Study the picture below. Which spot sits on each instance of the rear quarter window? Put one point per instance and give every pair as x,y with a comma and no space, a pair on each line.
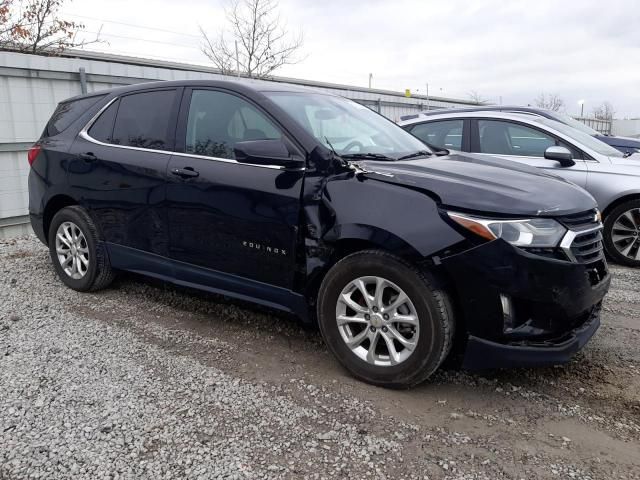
67,112
102,129
143,119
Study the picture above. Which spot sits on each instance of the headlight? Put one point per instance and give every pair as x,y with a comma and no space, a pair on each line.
530,232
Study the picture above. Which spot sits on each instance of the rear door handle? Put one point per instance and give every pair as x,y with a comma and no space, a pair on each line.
88,157
186,172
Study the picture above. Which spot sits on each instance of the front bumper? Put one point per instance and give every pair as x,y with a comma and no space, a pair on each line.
483,354
554,305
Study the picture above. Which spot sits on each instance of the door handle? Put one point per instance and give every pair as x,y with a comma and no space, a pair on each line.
88,157
186,172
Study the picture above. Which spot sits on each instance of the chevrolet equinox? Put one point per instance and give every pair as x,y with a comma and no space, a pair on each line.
312,204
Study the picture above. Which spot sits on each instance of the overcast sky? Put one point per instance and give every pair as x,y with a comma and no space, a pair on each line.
507,50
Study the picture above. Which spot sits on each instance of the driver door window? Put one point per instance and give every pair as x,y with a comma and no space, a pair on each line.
217,121
505,138
526,145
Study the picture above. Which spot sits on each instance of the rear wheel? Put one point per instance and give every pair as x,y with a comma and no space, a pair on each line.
622,234
79,259
387,322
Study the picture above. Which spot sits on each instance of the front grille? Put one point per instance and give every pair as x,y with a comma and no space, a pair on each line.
583,243
587,247
579,221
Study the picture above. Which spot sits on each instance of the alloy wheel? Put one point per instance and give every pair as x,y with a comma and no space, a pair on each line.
72,250
625,234
377,321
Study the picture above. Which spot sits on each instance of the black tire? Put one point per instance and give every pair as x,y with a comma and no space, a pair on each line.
99,273
609,222
432,305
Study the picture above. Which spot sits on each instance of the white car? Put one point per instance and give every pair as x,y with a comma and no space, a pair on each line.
612,177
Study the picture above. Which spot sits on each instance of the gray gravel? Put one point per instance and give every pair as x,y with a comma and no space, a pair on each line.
147,381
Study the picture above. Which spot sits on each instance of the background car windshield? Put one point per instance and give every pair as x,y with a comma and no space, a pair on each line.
583,138
564,118
349,127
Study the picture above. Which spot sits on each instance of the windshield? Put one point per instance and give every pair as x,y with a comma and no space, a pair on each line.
347,127
572,122
583,138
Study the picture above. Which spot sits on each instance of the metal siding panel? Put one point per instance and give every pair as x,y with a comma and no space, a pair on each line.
14,194
31,103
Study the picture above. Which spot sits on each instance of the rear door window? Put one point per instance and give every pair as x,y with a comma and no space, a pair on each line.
445,134
143,120
67,112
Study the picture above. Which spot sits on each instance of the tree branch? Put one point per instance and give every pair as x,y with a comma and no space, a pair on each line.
263,41
33,26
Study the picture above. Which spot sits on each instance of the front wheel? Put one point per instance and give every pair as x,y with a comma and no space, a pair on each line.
622,234
387,322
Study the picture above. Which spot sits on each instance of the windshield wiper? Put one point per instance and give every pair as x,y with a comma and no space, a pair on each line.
626,154
365,156
420,153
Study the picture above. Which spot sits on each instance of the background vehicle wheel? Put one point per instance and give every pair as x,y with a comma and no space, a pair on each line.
79,259
622,234
387,322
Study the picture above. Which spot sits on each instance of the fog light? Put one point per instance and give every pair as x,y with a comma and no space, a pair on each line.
507,312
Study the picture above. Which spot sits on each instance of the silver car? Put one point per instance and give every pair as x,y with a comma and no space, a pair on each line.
612,177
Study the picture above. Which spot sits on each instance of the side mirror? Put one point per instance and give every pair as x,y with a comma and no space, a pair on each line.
266,152
560,154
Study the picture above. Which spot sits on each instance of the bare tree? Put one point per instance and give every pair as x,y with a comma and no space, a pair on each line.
257,42
549,101
605,111
476,97
34,26
9,23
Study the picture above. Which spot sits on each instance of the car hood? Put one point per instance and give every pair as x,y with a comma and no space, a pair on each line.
485,184
631,160
620,141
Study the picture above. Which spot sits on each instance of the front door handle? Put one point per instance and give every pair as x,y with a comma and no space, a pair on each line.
186,172
88,157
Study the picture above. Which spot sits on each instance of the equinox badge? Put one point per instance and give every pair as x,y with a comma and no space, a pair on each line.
264,248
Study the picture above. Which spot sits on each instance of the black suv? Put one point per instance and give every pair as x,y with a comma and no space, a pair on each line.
312,204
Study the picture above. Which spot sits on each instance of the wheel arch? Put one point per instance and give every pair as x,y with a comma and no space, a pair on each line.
343,240
53,206
625,197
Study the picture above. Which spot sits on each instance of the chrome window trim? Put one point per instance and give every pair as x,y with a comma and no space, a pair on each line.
570,236
529,156
84,133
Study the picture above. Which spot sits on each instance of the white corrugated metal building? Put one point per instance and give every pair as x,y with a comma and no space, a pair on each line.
32,85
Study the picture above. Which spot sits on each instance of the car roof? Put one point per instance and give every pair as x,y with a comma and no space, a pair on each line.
485,108
246,85
461,113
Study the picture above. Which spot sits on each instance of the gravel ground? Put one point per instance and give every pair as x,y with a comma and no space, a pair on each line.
145,380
